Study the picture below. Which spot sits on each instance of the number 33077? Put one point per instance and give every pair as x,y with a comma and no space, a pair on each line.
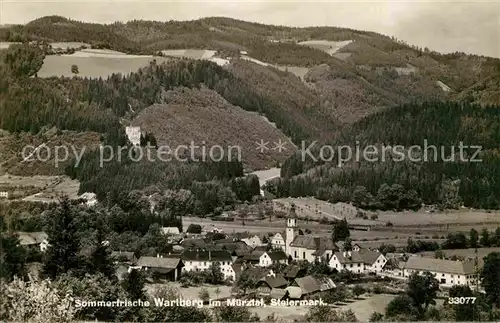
461,300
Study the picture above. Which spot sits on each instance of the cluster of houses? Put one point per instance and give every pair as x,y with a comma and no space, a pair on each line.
251,253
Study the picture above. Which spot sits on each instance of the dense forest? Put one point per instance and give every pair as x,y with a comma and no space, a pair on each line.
388,179
338,101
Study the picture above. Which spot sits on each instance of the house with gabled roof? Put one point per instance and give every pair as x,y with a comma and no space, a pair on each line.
127,257
166,267
278,240
200,259
447,272
359,262
34,240
268,283
309,285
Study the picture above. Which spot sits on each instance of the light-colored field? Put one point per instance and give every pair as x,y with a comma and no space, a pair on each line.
330,47
265,175
365,307
481,252
253,60
36,181
62,186
6,44
94,65
438,219
190,53
441,221
298,71
342,56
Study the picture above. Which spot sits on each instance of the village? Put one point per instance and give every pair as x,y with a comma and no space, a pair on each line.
284,268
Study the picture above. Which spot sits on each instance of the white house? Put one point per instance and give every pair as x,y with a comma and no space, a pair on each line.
4,195
134,135
34,240
447,272
273,257
199,260
359,262
253,242
278,242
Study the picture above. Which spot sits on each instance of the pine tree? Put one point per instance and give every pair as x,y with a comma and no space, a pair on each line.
13,257
134,285
101,257
62,254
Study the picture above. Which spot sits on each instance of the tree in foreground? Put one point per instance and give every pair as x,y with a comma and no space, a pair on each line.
35,302
62,254
320,313
13,257
133,284
101,256
463,312
490,278
422,290
234,314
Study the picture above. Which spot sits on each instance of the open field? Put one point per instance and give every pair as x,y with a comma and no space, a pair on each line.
265,175
47,188
95,64
363,308
315,209
330,47
464,253
189,53
64,186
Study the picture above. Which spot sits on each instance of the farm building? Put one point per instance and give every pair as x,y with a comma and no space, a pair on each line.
166,268
4,195
124,257
293,271
447,272
34,240
253,242
267,284
362,261
309,286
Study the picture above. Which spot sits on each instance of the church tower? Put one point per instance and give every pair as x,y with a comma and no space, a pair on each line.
291,226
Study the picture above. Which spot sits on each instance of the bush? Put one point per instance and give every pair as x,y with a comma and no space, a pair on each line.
194,228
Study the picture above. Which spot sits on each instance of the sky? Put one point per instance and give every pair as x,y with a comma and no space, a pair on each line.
445,26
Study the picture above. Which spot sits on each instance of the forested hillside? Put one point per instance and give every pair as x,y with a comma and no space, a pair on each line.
392,179
309,90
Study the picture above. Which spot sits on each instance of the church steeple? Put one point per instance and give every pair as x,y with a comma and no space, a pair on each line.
291,225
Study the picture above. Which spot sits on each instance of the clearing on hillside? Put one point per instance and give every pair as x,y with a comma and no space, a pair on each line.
330,47
95,63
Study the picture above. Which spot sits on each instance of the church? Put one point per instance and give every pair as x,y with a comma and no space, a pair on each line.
303,247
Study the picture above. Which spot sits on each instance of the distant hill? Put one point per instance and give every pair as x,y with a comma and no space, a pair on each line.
314,84
203,118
